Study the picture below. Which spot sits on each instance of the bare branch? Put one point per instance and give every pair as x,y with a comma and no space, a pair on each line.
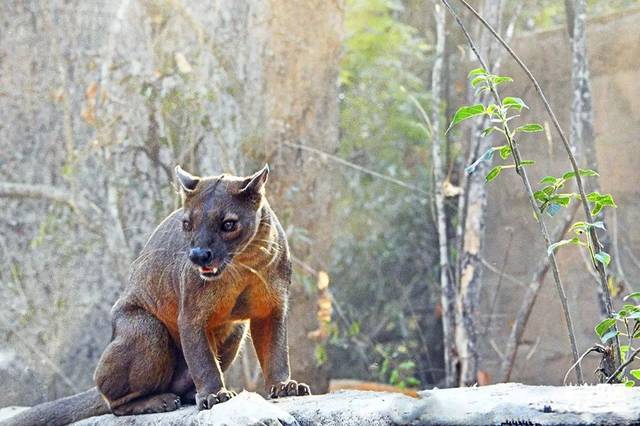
326,155
35,191
529,299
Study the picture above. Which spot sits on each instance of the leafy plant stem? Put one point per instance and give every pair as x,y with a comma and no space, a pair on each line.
623,365
600,267
629,332
527,185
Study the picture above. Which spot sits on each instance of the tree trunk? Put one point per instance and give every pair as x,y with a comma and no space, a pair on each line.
582,134
473,216
447,287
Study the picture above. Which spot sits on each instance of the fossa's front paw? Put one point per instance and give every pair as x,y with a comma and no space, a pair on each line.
207,401
289,388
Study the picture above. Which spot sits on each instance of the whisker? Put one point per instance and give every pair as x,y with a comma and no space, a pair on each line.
253,271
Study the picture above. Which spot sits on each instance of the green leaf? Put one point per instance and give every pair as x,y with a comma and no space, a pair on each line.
635,295
635,373
561,243
597,209
585,226
541,196
583,172
487,131
623,351
603,257
549,180
499,80
600,201
493,173
527,162
607,200
466,112
515,103
562,199
530,128
479,79
594,196
604,326
604,199
491,109
505,152
476,71
629,383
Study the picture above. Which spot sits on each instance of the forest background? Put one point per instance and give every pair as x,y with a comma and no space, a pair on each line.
100,99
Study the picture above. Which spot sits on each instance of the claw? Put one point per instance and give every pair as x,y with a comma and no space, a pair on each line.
303,389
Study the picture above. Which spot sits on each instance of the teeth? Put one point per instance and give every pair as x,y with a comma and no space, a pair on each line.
214,270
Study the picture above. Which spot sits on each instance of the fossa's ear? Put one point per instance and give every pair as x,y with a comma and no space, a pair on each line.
254,184
187,181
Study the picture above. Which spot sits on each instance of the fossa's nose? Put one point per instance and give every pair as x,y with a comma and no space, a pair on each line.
200,256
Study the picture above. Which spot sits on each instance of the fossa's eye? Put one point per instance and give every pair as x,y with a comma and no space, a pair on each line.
186,225
229,225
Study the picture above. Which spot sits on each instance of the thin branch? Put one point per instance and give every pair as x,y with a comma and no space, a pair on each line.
326,155
36,191
497,349
496,293
615,248
499,272
574,165
528,301
527,185
594,348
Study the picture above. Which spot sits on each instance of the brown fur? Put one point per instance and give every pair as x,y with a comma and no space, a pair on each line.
174,332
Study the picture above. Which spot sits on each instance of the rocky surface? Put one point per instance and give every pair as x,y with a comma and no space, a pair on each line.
497,404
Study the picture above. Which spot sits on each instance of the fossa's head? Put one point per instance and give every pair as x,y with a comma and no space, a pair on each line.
220,216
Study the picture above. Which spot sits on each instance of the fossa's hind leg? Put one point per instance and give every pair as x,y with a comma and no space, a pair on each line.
135,371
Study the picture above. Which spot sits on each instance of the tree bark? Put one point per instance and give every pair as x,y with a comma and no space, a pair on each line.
473,210
447,288
582,134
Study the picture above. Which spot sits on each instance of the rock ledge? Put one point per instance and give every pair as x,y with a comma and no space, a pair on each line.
509,403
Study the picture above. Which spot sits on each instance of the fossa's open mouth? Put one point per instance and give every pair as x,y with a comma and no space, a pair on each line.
210,273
